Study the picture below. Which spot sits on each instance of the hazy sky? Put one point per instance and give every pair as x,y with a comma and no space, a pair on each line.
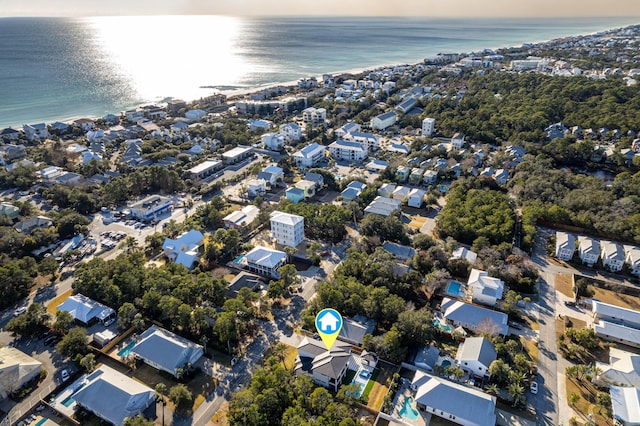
464,8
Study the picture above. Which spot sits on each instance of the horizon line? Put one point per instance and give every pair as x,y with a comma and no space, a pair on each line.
475,17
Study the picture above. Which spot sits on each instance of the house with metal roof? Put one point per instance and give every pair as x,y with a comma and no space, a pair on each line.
240,218
382,121
615,314
310,155
452,401
112,396
166,351
475,355
474,317
589,250
266,261
565,245
287,229
612,255
486,290
625,403
348,150
399,251
354,329
623,369
632,259
326,367
86,311
426,358
295,195
464,253
16,369
184,250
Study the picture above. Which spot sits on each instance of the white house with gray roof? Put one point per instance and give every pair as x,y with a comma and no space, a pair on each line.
348,150
166,351
633,260
474,317
475,355
454,402
612,255
589,250
112,396
486,290
310,155
326,367
266,261
565,245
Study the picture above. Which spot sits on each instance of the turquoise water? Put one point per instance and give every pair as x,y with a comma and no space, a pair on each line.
126,350
446,363
68,401
442,327
238,259
41,421
407,411
361,379
454,288
85,69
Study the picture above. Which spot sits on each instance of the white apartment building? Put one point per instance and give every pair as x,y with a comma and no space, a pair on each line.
428,126
291,131
382,121
348,151
371,141
314,115
309,156
287,229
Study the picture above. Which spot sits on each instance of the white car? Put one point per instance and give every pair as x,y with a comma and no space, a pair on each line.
64,375
534,387
21,310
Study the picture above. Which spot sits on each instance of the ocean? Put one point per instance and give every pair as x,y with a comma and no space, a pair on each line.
62,68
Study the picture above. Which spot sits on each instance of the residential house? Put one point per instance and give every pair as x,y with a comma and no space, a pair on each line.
386,190
326,367
401,193
37,131
430,177
589,250
486,290
186,249
295,195
352,191
38,222
243,280
256,187
16,369
623,369
113,396
443,398
406,105
266,261
85,124
382,206
308,186
241,218
457,141
428,126
464,253
377,166
633,260
316,178
237,154
272,141
9,211
204,169
347,128
85,310
616,324
9,134
402,173
287,229
475,355
416,197
309,156
151,207
501,176
612,255
427,358
166,351
624,403
134,115
565,245
276,172
11,152
195,114
259,125
383,121
399,251
348,151
291,132
415,176
399,148
354,329
474,317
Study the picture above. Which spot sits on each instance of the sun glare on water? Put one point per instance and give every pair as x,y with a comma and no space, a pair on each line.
172,56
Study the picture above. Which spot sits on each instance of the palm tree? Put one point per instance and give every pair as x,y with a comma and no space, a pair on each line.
493,389
516,391
499,371
574,398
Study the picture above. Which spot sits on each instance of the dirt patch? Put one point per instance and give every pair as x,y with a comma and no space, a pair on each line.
586,404
52,307
564,284
616,298
380,387
221,272
531,347
220,417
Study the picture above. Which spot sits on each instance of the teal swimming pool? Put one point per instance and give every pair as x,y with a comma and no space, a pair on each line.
441,327
126,351
238,259
454,288
68,401
407,411
42,421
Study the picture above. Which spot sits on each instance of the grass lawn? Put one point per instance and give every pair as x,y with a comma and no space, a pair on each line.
290,355
564,284
584,405
370,383
52,307
220,417
531,348
618,299
531,322
379,388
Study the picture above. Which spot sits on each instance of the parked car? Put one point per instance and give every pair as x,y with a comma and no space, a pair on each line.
21,310
64,375
515,325
569,303
534,387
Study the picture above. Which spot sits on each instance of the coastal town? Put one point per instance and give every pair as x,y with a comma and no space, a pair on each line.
474,218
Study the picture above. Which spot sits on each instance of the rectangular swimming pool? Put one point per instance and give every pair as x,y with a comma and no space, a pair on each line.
126,351
454,288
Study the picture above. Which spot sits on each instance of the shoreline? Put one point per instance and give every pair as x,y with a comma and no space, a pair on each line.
356,71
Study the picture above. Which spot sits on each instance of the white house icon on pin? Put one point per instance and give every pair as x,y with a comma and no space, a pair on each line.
329,322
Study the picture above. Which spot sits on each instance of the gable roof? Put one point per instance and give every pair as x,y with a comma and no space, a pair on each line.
611,251
427,357
113,396
328,363
488,285
353,331
166,350
16,368
398,250
623,368
626,404
286,218
565,240
84,309
473,315
477,349
464,253
478,407
265,257
622,315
